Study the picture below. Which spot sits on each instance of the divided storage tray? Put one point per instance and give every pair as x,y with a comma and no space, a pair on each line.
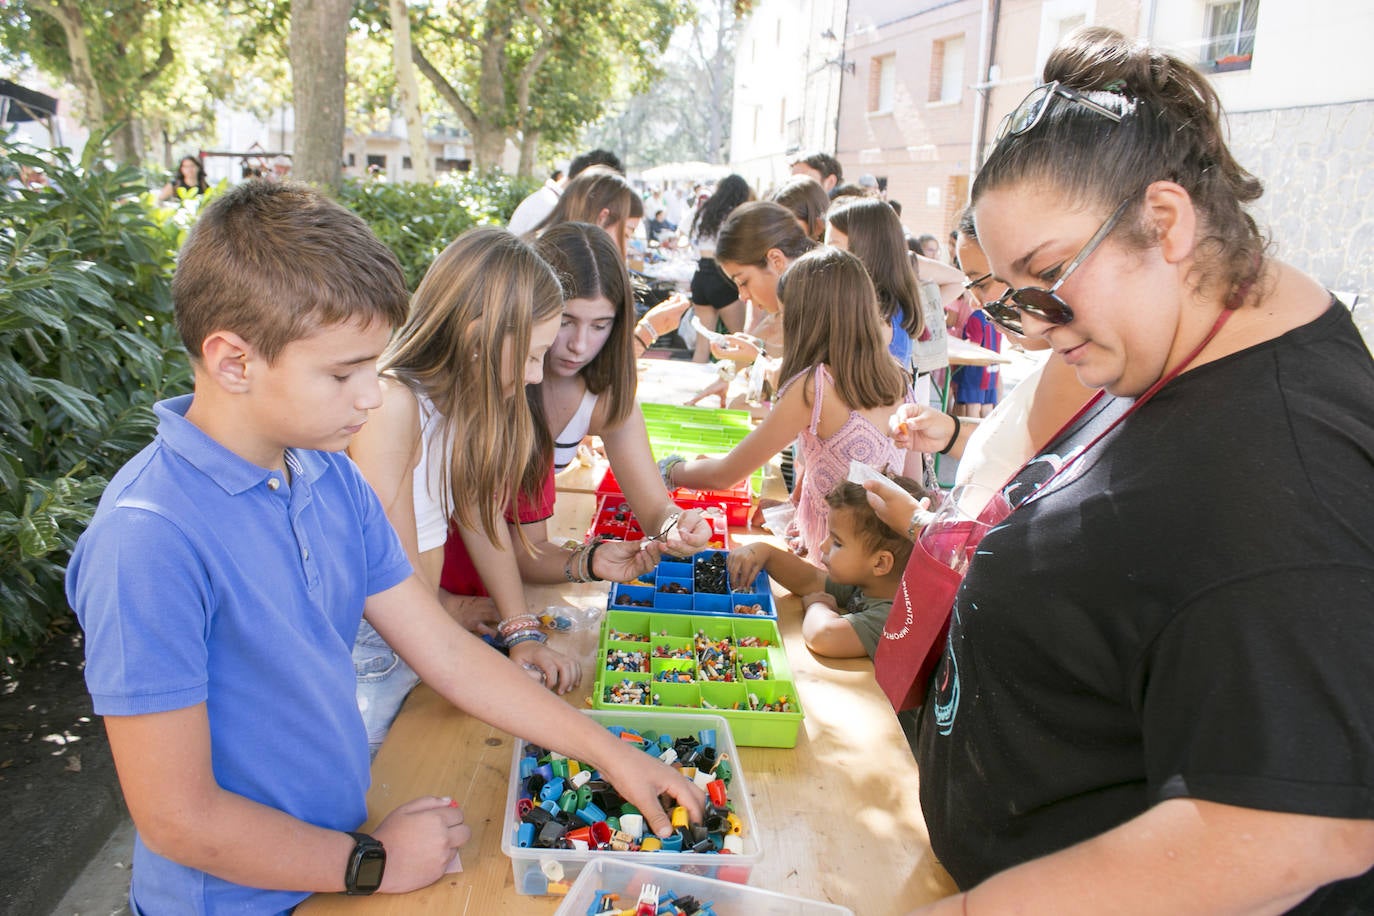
667,644
686,587
533,866
626,879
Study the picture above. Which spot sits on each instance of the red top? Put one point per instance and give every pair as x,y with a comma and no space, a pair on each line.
460,576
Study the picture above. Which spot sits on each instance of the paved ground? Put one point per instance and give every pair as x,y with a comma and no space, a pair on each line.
59,798
102,887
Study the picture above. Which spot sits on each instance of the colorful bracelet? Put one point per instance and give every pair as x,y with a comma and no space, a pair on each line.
525,636
515,624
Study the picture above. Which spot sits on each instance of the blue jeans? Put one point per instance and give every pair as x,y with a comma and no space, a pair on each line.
384,680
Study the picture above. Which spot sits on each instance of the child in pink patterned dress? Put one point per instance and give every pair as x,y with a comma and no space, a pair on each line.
841,388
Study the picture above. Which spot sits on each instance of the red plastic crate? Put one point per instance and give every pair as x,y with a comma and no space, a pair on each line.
626,528
734,501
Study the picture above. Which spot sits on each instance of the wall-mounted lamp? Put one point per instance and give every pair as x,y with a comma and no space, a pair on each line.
846,65
828,35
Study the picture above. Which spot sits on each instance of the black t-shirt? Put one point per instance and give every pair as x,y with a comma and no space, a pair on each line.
1189,611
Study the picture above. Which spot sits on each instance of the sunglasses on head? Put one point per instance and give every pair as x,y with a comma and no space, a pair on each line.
1044,304
1033,107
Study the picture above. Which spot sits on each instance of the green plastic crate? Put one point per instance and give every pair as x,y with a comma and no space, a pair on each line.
676,631
699,416
692,431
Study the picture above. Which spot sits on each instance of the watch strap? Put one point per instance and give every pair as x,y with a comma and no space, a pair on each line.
366,865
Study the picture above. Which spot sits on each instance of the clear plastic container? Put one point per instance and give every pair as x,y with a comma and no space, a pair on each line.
535,868
626,879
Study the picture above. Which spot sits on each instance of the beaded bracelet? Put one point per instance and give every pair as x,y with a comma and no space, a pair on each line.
958,425
525,636
573,558
515,624
578,566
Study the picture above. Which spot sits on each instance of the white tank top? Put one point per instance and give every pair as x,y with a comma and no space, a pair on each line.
430,481
565,443
1001,443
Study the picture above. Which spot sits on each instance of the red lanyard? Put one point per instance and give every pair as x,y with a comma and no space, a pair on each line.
1136,405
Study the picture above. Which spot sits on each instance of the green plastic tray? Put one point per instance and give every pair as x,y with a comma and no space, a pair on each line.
752,728
699,416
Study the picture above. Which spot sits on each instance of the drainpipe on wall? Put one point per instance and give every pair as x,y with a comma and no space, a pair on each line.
843,7
987,50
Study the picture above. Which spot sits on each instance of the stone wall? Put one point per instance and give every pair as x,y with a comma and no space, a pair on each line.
1317,164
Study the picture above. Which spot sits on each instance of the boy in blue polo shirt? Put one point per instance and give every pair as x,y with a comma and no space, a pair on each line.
223,578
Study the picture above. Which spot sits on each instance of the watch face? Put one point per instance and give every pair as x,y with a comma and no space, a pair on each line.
371,864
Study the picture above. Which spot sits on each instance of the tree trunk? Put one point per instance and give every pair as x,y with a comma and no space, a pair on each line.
126,143
408,93
488,134
68,15
319,32
529,149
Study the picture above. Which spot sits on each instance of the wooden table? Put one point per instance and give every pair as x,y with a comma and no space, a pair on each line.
839,816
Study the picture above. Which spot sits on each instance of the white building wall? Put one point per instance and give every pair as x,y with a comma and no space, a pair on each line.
1308,53
1301,118
787,86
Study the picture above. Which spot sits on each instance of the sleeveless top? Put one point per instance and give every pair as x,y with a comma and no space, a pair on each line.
565,443
827,462
931,351
430,481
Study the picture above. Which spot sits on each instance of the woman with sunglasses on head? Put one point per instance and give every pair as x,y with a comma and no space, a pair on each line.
1154,694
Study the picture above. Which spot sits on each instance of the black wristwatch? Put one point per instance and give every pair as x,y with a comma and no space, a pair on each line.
365,866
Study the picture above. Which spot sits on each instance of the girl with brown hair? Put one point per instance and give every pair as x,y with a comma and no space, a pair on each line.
841,389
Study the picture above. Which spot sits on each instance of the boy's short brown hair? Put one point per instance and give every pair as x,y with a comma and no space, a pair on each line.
874,531
273,262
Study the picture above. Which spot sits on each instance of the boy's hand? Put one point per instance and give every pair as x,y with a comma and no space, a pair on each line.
920,427
824,598
556,671
641,778
745,563
421,839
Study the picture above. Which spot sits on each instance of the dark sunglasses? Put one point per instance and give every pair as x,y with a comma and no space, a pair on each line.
1033,107
971,283
1042,303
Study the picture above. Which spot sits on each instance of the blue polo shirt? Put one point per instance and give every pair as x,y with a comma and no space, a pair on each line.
203,578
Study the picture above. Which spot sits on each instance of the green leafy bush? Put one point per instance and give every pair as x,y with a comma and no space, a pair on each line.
87,344
417,221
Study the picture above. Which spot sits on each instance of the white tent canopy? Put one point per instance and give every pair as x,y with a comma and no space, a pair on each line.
685,171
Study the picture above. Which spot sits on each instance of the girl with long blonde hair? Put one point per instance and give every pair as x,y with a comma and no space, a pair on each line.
439,449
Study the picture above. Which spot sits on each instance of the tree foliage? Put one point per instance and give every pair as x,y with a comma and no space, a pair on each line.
536,71
684,115
151,71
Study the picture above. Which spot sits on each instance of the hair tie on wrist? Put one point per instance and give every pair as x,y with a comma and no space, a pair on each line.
958,425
